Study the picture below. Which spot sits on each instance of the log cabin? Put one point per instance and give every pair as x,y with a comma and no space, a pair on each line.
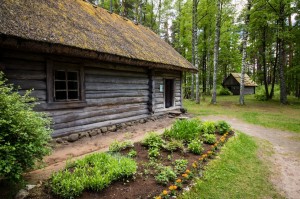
88,68
232,82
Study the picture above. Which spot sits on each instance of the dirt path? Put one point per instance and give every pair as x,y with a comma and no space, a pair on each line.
285,162
99,143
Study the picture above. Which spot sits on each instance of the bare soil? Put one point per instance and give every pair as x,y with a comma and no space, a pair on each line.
284,162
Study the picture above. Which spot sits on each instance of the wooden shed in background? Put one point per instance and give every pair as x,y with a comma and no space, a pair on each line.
232,82
88,68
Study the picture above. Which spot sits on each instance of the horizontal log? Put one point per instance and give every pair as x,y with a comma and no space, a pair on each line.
16,64
89,114
29,84
30,75
22,55
115,80
118,94
96,71
114,87
97,119
67,131
39,94
106,65
115,101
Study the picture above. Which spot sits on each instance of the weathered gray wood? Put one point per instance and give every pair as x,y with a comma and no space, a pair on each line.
31,75
39,94
117,94
89,114
17,64
119,67
29,84
111,87
97,119
13,54
115,80
114,101
96,71
67,131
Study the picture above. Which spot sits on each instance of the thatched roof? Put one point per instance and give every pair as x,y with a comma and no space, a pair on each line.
247,80
82,26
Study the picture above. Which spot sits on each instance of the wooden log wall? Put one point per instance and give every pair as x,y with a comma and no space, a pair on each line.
113,93
160,76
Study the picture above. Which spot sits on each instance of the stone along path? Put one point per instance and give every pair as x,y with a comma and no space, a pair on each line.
285,162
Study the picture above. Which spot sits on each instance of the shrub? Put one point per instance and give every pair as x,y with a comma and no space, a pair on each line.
173,145
185,130
223,127
153,152
195,147
94,172
132,153
223,91
24,133
260,93
153,140
117,146
180,165
210,138
165,175
208,127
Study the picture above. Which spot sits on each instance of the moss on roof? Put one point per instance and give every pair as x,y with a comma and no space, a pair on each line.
247,80
76,23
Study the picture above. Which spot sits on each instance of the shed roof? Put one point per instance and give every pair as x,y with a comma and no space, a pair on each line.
80,25
247,80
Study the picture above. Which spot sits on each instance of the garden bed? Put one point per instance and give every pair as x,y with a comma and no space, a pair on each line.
157,160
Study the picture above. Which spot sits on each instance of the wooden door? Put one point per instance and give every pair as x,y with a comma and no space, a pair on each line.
169,93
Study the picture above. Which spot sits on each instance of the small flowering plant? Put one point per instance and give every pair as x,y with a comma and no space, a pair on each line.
173,189
164,195
178,183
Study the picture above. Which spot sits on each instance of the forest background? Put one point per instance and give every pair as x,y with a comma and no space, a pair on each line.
260,38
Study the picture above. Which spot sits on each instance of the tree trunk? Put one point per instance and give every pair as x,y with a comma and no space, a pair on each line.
204,65
283,94
195,47
264,37
216,51
244,53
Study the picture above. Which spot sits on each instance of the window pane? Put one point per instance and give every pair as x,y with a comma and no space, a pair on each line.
72,75
61,95
60,85
72,85
60,75
73,94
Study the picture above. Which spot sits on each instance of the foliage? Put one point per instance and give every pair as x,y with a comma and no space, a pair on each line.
173,145
117,146
232,175
24,133
223,91
223,127
152,139
195,147
185,130
209,138
180,165
132,153
260,93
165,175
94,172
208,127
153,152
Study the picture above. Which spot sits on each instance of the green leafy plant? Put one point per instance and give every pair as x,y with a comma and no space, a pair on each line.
165,175
208,127
94,172
24,133
152,139
223,127
195,147
153,152
209,138
173,145
117,146
180,165
185,130
132,153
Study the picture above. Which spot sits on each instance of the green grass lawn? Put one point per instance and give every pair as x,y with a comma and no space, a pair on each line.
237,173
270,114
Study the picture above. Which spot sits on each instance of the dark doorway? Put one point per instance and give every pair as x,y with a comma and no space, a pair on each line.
169,93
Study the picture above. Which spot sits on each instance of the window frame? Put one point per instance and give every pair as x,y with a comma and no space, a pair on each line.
64,104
